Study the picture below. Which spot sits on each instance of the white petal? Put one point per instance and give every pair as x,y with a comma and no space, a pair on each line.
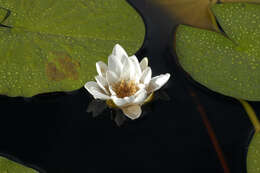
128,72
102,83
118,51
123,101
114,64
101,68
112,78
157,82
140,98
112,92
136,66
146,76
144,63
132,111
123,59
97,92
141,86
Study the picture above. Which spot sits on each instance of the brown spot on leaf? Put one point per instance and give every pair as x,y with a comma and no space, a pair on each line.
69,67
53,73
62,67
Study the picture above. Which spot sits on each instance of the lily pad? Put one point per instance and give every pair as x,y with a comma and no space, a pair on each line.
9,166
52,45
228,62
253,155
193,12
190,12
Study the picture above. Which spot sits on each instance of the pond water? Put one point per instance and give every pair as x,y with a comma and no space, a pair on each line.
55,134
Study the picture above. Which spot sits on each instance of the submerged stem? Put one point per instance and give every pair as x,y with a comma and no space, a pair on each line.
251,114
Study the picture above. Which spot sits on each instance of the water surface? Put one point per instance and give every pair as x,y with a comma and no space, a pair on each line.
54,132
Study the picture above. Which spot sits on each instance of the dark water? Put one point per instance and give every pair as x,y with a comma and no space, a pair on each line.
55,133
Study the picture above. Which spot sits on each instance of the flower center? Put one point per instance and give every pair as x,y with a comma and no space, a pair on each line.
125,88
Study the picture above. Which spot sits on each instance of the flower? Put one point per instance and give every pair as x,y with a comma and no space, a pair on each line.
125,82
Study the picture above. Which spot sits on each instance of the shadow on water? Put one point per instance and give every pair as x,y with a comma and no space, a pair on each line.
55,133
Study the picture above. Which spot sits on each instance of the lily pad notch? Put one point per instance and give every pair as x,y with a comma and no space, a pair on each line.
227,63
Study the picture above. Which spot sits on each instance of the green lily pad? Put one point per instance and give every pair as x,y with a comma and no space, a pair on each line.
53,45
228,62
189,12
253,155
195,13
9,166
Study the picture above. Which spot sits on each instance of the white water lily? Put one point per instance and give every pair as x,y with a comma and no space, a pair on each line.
125,81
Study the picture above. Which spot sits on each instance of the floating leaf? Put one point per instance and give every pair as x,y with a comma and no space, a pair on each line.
228,63
8,166
253,155
193,12
54,45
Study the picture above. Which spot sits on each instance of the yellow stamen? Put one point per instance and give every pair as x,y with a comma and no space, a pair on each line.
125,88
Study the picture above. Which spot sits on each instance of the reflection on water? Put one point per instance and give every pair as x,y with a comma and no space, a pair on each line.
99,107
58,135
